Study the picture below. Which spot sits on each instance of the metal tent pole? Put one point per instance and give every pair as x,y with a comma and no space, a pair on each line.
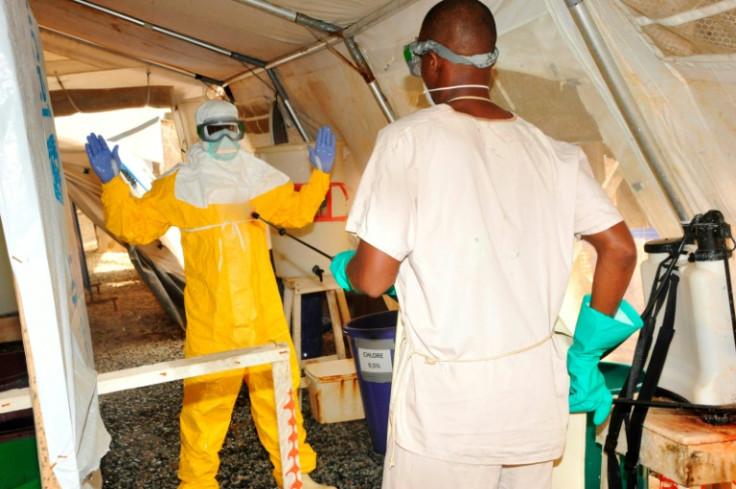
310,22
365,23
291,15
287,103
197,42
196,76
627,105
177,35
367,75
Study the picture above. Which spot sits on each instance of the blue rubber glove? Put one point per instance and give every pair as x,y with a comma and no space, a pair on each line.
104,162
594,334
322,155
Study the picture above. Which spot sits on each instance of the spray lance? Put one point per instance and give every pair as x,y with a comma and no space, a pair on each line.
282,232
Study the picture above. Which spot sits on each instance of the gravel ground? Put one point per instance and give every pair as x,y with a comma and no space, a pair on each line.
129,328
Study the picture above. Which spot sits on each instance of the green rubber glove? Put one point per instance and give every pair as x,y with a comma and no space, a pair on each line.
338,267
594,334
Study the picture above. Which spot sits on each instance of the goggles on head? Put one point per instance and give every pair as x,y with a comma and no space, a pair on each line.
214,131
416,49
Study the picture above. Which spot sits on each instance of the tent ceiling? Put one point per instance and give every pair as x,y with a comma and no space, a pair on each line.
89,48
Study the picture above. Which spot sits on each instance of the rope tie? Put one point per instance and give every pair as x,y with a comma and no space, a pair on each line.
234,232
66,92
469,97
432,360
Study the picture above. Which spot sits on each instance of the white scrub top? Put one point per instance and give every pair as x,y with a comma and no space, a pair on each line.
483,216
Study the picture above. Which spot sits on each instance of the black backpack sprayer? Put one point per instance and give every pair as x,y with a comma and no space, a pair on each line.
695,369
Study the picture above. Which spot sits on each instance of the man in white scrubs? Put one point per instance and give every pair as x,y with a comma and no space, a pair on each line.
472,213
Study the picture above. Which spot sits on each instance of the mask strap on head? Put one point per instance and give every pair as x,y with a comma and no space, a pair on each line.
483,60
414,50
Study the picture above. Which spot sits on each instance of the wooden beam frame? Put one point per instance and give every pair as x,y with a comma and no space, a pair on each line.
276,354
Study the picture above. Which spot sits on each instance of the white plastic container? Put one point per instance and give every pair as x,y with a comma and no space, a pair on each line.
714,337
291,258
701,361
334,392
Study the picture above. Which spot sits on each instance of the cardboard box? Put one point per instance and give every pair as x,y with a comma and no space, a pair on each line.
334,392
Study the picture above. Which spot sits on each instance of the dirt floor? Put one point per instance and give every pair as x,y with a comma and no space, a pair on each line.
123,312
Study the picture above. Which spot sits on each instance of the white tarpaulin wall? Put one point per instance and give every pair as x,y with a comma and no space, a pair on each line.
37,220
679,61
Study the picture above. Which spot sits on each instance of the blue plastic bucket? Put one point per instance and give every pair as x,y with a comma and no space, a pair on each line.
372,338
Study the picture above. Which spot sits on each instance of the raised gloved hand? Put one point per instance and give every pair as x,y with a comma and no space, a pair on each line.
322,155
594,334
104,162
338,267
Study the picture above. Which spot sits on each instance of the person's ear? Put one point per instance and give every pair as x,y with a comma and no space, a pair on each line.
430,62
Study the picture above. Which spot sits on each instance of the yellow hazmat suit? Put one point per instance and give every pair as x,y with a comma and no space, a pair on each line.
231,297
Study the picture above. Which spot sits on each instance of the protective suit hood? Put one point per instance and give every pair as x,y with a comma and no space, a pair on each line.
205,180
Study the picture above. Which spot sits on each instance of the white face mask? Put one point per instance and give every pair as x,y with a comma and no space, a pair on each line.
427,91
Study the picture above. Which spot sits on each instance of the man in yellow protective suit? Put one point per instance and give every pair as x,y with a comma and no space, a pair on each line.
231,297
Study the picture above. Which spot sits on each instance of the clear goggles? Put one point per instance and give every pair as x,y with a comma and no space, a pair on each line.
415,50
214,131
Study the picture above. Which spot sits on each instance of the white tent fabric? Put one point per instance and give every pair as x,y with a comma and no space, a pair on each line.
688,100
38,224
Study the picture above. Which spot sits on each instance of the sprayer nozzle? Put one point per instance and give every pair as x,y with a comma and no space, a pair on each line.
318,271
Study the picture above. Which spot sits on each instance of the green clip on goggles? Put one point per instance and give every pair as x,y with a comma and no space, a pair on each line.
416,49
214,131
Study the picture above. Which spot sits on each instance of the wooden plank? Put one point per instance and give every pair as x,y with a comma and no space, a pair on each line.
286,423
66,102
10,329
15,400
391,303
296,325
158,373
689,451
336,324
343,305
45,465
308,285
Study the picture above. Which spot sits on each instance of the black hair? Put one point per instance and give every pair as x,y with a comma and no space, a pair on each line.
464,26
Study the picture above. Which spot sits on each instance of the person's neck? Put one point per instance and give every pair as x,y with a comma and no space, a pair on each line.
473,101
480,107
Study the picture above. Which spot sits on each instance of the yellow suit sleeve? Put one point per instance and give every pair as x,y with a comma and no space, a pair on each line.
134,220
286,207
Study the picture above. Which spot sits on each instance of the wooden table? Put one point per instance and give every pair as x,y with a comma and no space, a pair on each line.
682,447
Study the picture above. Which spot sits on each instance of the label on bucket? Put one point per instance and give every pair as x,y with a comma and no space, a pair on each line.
375,361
